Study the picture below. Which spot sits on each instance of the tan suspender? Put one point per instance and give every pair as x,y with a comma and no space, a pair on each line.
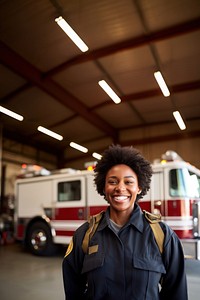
93,224
157,230
159,235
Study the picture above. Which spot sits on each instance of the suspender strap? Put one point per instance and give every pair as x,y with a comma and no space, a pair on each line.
93,224
159,235
156,228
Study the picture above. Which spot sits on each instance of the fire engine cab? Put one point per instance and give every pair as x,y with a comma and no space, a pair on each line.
50,208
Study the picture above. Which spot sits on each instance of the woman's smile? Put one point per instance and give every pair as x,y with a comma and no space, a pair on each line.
121,198
121,188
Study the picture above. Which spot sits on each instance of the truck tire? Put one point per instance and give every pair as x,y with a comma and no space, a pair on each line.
39,240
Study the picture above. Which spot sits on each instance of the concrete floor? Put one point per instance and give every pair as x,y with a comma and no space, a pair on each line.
27,277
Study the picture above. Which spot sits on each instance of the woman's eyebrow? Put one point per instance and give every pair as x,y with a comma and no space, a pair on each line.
127,176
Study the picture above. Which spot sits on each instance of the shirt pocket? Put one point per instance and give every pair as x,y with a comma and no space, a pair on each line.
147,272
93,269
92,261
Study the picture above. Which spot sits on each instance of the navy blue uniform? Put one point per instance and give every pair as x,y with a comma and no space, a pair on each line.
127,265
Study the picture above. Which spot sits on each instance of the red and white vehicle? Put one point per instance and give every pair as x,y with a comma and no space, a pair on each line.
50,208
175,194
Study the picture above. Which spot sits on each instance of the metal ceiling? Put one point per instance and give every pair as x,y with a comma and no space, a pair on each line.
46,78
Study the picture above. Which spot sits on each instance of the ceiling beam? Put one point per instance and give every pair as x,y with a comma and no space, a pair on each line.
144,141
15,93
19,65
139,41
163,138
24,140
177,88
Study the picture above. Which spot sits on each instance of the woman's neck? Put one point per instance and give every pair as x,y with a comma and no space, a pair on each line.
120,217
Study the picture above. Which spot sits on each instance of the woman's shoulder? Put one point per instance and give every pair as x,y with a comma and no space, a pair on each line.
166,228
170,235
82,229
80,233
154,218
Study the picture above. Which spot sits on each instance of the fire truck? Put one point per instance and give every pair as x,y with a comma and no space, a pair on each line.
49,208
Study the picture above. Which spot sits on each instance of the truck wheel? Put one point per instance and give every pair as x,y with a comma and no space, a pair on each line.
39,240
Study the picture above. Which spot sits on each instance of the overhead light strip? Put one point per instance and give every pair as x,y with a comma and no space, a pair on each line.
160,80
78,147
11,114
179,120
71,34
50,133
103,84
96,155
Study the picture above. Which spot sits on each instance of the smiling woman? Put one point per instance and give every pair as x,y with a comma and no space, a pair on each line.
124,240
121,190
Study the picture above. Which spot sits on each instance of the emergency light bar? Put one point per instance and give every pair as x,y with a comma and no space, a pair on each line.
171,155
90,165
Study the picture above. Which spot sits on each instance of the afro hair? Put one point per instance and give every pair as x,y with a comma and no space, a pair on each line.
116,155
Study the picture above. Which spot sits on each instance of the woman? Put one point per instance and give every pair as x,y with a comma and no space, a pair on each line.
125,261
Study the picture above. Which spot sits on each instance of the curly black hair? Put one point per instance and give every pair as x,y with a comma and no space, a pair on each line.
116,155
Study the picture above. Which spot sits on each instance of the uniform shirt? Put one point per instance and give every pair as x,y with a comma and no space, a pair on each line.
126,265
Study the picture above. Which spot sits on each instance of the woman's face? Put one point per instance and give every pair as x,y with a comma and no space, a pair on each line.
121,188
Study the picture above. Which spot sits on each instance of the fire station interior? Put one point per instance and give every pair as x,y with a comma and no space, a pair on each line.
49,85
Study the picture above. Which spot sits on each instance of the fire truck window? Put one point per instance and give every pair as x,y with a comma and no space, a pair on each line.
69,191
177,187
194,185
184,183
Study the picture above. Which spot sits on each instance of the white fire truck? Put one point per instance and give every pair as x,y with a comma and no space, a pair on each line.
50,208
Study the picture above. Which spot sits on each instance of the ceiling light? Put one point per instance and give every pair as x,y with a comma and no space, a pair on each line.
179,120
103,84
160,80
78,147
71,34
96,155
50,133
11,113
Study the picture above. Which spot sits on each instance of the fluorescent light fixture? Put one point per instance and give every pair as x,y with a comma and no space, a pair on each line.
11,113
71,34
78,147
179,120
96,155
103,84
50,133
160,80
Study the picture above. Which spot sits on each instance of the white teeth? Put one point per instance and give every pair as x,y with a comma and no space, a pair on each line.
121,198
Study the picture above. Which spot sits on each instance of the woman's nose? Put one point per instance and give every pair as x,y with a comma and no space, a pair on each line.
120,187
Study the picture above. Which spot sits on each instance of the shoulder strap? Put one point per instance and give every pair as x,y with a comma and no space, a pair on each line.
93,224
156,228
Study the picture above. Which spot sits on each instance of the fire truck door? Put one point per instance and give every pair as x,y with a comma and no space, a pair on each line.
70,199
157,193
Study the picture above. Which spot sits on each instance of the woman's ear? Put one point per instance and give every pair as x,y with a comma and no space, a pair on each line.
139,191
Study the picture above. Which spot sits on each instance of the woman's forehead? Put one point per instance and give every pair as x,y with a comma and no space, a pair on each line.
121,169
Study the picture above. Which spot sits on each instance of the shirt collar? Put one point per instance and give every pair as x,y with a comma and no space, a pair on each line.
135,220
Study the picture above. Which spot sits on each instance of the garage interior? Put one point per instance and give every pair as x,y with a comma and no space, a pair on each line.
50,82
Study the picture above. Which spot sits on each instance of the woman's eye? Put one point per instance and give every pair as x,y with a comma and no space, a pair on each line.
129,182
112,182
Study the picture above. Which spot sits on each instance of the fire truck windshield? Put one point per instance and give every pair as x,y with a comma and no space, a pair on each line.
184,183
